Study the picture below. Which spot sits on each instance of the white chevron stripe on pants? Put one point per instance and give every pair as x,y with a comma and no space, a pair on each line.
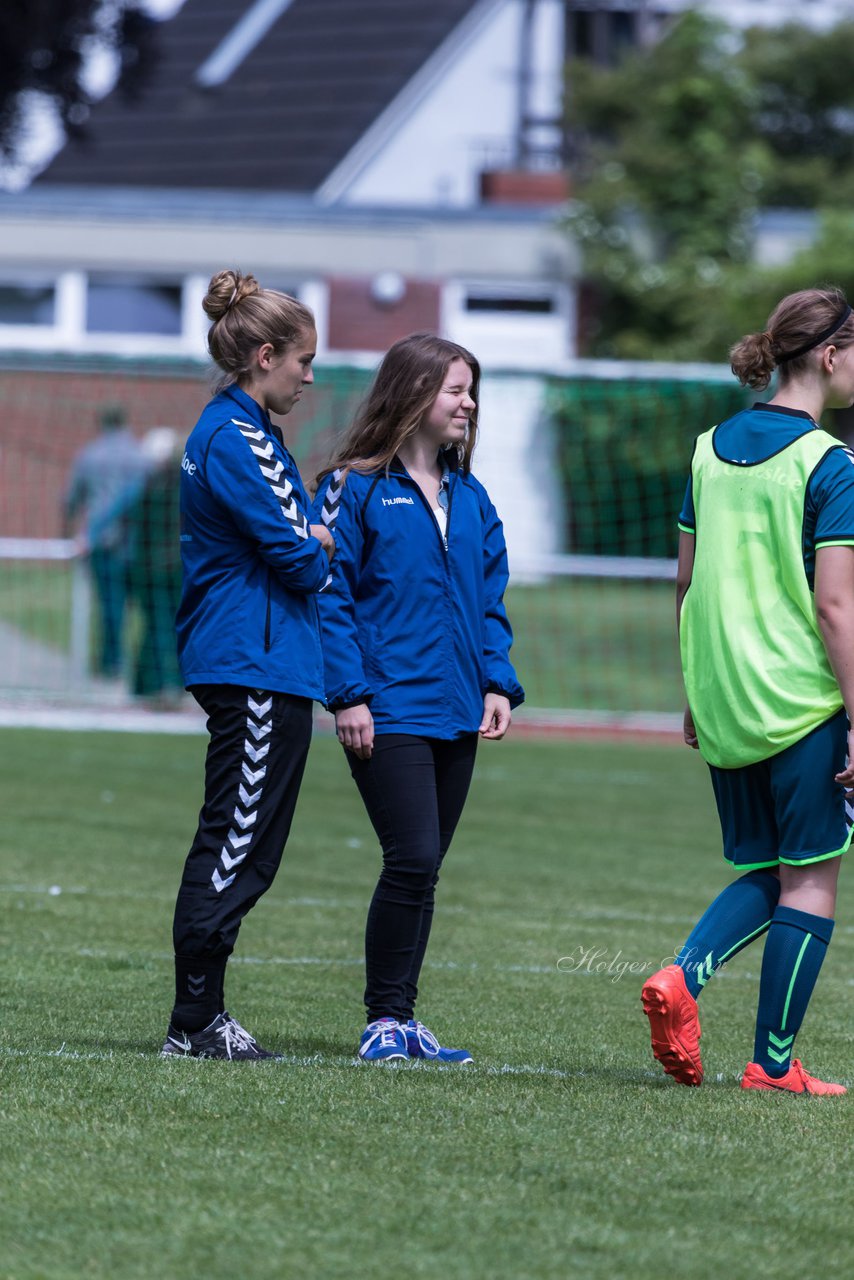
255,761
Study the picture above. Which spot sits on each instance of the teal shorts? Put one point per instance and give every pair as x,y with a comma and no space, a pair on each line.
787,808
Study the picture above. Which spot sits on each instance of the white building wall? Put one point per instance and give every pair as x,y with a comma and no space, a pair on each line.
512,339
43,242
458,116
516,459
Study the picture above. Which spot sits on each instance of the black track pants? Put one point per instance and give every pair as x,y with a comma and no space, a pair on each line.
255,760
414,790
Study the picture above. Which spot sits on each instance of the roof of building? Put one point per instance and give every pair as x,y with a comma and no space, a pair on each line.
267,95
197,206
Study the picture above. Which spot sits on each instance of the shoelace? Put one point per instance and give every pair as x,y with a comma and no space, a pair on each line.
426,1039
235,1037
385,1032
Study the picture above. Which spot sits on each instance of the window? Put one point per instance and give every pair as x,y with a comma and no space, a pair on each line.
604,34
580,34
524,303
117,304
27,304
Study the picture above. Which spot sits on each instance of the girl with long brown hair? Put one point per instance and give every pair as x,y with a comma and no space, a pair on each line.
416,651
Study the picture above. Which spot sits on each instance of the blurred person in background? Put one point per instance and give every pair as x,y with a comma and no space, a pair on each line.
765,603
155,573
416,647
248,642
148,512
102,470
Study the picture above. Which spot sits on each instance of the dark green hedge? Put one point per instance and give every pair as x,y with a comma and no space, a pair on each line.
624,452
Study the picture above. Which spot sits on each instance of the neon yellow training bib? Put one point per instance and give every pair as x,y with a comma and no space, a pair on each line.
756,672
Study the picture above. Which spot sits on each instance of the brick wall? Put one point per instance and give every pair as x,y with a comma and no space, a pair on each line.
359,322
48,414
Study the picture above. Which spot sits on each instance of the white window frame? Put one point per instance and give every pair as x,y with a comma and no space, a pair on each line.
68,333
515,337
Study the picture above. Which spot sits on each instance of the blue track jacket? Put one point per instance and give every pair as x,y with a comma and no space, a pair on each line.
248,613
413,627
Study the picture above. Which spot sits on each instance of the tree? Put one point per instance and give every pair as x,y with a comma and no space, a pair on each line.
669,174
44,45
804,112
677,149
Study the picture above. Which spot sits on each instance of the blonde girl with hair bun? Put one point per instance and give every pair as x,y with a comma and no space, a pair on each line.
248,641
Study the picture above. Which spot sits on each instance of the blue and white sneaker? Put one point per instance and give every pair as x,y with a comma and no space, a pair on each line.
383,1041
421,1043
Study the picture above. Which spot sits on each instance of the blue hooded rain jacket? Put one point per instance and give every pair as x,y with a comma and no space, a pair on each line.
248,613
413,623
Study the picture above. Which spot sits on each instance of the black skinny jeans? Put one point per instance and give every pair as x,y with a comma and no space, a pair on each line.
414,790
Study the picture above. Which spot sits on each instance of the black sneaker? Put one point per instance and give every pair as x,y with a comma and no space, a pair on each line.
224,1038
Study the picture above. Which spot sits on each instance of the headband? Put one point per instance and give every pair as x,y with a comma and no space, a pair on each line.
822,337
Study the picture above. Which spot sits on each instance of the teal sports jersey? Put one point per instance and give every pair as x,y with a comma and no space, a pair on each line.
752,436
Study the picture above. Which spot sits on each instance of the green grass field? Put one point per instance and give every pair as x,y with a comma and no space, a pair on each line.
597,644
35,597
562,1152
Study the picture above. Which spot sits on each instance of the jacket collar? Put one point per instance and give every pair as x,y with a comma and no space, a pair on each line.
249,406
448,458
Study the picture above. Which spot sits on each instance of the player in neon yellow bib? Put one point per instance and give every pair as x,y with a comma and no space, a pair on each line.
766,614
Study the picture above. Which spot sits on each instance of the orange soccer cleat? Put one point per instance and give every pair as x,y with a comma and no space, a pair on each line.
673,1024
796,1080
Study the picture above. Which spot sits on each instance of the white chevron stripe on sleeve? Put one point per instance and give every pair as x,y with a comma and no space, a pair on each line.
281,487
263,451
332,499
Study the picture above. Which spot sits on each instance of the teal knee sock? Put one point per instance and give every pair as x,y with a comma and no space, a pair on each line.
739,914
794,951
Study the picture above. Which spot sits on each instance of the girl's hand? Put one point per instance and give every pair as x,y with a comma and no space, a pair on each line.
846,777
355,729
689,733
324,537
496,716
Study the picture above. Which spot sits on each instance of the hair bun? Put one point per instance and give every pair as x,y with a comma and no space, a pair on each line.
226,290
753,359
767,343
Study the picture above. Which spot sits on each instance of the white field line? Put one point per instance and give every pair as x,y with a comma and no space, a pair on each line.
102,719
133,895
123,718
344,904
590,915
